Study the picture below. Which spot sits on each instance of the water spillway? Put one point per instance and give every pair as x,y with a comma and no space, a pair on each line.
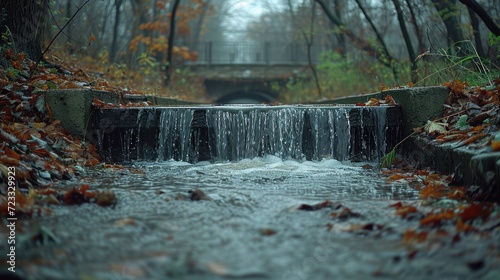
232,133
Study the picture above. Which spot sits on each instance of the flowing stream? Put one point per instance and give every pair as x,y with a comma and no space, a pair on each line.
249,226
224,194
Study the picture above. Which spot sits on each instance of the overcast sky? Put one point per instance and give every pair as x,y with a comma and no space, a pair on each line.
244,11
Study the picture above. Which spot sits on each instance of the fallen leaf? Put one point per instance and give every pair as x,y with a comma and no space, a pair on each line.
318,206
436,218
413,236
475,211
431,127
267,231
106,198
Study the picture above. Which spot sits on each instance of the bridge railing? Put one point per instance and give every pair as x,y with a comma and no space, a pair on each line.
254,53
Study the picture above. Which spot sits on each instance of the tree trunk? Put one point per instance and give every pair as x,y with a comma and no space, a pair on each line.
139,8
417,28
171,37
309,47
199,25
309,42
25,21
68,29
477,35
448,11
406,36
490,23
361,43
339,6
113,53
386,54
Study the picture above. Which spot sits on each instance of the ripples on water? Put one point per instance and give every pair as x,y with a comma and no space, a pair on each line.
325,179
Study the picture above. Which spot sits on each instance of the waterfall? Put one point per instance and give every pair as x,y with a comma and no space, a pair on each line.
232,133
240,134
174,141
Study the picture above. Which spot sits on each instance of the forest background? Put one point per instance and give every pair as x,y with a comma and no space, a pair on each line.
365,45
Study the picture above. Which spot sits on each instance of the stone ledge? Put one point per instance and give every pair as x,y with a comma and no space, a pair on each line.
73,106
470,167
419,104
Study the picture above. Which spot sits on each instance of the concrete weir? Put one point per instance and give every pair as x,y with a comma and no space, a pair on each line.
231,133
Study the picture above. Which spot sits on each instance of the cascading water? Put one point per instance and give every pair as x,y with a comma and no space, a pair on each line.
239,134
174,141
232,133
286,132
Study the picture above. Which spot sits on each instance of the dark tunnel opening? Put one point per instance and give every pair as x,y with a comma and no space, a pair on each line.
246,97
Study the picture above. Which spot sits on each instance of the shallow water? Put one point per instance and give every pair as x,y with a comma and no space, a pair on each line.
249,228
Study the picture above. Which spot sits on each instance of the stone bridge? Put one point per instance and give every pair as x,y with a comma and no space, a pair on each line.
250,73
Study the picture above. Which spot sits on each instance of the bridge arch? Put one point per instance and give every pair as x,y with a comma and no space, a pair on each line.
246,97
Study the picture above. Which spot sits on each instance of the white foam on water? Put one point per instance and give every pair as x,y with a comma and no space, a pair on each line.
274,165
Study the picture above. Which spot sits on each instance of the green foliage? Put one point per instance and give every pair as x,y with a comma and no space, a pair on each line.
146,60
149,68
462,122
495,42
103,56
186,83
388,159
6,37
459,62
341,76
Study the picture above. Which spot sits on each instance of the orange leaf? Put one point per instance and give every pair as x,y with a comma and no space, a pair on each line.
47,191
91,162
84,188
41,152
413,236
436,218
91,39
11,153
397,205
23,135
373,102
422,172
396,177
390,100
474,138
9,161
474,211
433,191
405,210
463,227
457,193
495,146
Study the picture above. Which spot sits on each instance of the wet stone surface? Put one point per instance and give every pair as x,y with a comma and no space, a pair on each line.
247,225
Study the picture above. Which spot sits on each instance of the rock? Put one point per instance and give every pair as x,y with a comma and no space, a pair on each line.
197,194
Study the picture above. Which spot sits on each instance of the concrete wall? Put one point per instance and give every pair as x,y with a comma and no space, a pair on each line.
419,104
73,106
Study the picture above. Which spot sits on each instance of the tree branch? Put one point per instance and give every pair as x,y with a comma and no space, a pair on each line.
60,31
490,23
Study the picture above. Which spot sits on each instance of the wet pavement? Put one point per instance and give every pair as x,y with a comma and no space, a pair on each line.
249,226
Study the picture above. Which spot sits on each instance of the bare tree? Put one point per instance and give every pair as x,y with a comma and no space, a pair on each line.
24,21
406,36
309,39
490,23
418,29
448,11
114,43
171,37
